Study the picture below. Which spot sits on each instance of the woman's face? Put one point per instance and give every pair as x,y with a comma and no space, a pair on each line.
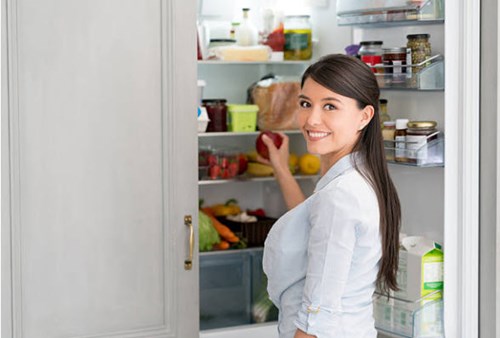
331,123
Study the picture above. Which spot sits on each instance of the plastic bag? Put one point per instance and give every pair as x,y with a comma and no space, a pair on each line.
277,100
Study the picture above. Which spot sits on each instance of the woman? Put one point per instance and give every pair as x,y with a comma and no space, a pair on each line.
327,254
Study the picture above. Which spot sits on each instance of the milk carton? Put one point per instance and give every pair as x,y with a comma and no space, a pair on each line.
421,263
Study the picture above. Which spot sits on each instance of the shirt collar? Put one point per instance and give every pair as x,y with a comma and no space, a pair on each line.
345,163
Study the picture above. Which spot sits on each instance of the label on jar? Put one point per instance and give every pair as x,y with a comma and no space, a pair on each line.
400,147
408,62
416,146
296,41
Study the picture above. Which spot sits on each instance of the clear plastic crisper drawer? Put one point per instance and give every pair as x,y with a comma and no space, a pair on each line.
422,318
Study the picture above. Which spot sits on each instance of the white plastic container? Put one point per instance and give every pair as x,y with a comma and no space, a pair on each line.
202,119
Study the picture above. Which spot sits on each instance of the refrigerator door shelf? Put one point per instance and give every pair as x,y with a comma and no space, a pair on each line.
389,12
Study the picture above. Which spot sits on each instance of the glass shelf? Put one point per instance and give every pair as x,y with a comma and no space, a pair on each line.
389,12
425,154
284,62
429,77
245,178
411,319
250,133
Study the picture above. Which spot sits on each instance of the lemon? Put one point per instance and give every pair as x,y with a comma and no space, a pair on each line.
293,162
309,164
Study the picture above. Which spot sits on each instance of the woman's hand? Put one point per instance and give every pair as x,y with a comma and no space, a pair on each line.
302,334
278,158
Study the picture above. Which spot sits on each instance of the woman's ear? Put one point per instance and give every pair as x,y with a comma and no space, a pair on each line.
366,116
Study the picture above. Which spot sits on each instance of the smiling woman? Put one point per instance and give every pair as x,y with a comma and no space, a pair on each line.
325,257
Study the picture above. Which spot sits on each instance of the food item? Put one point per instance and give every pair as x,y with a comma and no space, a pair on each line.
309,164
384,115
261,147
257,212
229,208
242,217
400,140
276,110
395,57
214,171
239,53
420,48
252,156
388,133
371,53
222,164
223,245
217,113
208,236
223,230
259,169
242,163
276,39
298,37
419,133
246,33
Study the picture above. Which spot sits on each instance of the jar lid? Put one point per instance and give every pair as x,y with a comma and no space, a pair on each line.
418,36
389,124
383,101
422,124
223,40
401,123
369,43
394,50
214,101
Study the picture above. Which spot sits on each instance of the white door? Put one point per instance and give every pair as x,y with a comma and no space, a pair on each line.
98,168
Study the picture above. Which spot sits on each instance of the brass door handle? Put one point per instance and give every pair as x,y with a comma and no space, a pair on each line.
188,263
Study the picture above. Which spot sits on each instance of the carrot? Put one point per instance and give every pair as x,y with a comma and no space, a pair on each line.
223,230
223,245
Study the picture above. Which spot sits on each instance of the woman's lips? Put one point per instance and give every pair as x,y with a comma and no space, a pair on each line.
317,135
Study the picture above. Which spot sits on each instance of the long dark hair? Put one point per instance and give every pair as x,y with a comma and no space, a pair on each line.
352,78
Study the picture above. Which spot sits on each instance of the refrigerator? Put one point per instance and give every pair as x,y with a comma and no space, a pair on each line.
439,198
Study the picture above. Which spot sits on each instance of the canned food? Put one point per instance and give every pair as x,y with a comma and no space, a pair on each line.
396,58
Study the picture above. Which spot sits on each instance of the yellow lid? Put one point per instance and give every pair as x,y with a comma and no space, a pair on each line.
422,124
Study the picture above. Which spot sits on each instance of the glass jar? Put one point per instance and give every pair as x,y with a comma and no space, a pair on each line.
384,115
400,140
396,58
217,113
419,133
371,53
298,37
388,134
420,49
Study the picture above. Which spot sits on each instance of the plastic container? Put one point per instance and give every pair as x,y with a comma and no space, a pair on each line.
298,37
242,117
254,233
203,119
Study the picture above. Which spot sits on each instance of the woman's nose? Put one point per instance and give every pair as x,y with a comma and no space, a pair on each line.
314,117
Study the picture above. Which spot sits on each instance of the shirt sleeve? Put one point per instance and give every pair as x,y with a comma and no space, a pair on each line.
333,233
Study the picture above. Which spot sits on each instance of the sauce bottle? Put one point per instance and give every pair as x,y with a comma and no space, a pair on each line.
400,139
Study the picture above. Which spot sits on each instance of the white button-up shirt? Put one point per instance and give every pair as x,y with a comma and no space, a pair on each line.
322,258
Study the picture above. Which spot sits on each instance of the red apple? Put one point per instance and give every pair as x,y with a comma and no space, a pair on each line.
261,147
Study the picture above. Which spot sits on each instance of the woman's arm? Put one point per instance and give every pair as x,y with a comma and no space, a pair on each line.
278,159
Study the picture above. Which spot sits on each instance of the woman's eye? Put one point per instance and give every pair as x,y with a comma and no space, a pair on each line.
329,106
304,104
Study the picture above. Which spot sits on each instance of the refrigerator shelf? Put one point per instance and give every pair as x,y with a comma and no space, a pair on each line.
426,154
389,12
250,133
239,63
426,75
410,319
245,178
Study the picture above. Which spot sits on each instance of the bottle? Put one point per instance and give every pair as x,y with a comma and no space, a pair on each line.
246,33
384,116
298,37
232,32
400,139
371,53
388,133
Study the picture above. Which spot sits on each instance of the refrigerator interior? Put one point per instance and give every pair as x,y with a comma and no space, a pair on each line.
421,190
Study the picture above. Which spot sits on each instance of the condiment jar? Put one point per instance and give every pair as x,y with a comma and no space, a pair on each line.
388,133
246,33
396,58
371,53
419,133
384,115
217,113
400,140
298,37
420,48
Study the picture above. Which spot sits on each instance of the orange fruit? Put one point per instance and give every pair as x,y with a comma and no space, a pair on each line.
309,164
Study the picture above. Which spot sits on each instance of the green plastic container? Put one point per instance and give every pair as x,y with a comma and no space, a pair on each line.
242,117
